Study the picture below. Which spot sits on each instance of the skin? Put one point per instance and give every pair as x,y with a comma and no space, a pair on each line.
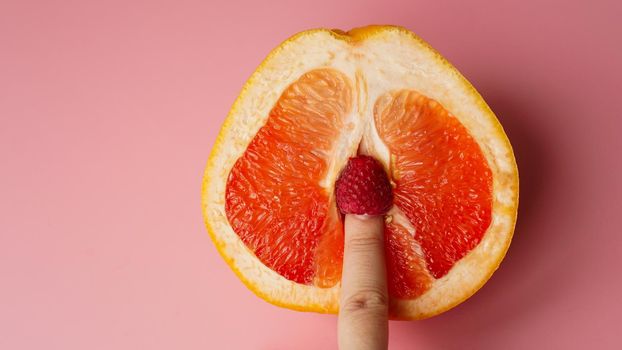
363,315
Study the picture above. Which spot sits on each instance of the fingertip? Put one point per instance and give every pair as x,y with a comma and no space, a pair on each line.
363,217
364,264
370,223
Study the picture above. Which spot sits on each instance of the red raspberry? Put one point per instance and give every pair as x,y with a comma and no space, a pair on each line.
363,187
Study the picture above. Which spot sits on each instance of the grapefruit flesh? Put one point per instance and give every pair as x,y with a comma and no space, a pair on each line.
407,274
274,201
277,206
443,181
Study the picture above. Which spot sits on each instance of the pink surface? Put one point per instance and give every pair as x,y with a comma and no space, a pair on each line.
108,111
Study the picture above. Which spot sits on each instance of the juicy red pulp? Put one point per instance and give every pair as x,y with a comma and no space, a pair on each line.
443,186
273,198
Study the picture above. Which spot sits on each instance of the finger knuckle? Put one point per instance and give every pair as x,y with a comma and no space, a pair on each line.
365,243
369,300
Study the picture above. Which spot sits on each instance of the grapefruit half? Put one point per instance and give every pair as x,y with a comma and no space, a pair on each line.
323,96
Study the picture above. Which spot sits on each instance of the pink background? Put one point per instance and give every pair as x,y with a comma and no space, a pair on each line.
108,111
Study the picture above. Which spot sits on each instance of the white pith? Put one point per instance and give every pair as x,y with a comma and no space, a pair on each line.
388,61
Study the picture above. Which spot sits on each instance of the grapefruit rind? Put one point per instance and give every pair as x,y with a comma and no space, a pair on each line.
399,60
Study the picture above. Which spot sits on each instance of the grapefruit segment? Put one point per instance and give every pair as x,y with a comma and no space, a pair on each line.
329,253
444,184
274,200
407,273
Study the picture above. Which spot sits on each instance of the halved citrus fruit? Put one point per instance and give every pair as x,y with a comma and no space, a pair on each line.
326,95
